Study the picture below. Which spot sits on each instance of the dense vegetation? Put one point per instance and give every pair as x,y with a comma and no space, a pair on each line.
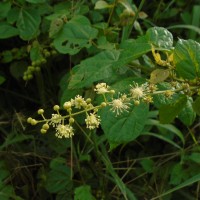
99,99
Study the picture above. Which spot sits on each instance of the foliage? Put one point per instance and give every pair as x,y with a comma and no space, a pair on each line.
123,78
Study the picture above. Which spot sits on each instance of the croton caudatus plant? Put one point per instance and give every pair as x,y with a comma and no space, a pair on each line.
121,83
168,79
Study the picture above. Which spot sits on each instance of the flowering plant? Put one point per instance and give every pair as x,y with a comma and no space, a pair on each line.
124,92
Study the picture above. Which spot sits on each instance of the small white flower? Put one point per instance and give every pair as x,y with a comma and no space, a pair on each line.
65,131
92,121
119,105
101,88
78,102
55,120
138,92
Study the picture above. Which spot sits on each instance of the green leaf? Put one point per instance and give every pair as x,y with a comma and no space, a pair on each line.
104,44
125,127
28,23
187,115
7,31
160,37
131,50
2,79
196,105
4,9
167,113
93,69
36,1
105,64
59,180
187,58
75,35
83,193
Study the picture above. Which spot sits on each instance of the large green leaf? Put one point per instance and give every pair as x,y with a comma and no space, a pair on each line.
28,23
7,31
167,113
187,58
83,193
131,50
93,69
125,127
105,64
75,35
160,37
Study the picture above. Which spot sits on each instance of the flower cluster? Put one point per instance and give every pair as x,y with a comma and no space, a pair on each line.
63,124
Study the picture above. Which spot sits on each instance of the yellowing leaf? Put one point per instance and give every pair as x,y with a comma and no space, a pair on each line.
102,5
159,75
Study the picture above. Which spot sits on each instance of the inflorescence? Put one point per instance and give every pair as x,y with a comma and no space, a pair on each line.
63,124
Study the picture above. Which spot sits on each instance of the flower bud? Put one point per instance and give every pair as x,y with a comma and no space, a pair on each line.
45,126
40,111
71,120
136,102
43,131
33,122
88,100
56,107
112,91
29,120
103,104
